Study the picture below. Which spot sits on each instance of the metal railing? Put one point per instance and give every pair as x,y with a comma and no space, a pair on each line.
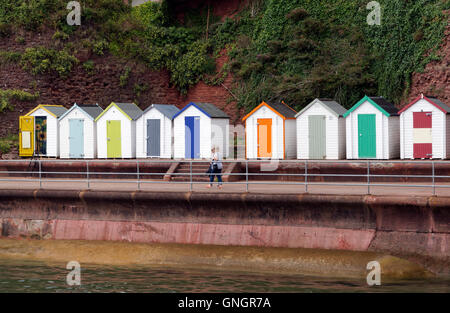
279,173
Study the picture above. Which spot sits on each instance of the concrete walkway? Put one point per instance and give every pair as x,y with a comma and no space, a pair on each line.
268,187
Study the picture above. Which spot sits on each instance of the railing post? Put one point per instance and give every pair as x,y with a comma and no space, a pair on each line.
434,182
40,174
306,175
246,175
138,175
190,175
87,174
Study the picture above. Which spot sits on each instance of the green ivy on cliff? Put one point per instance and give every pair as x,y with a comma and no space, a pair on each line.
40,60
8,142
296,50
14,94
291,50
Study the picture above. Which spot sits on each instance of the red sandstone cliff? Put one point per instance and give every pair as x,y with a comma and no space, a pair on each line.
435,79
104,85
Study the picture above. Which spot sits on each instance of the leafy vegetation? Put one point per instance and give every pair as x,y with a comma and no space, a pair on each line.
7,57
125,76
296,50
8,142
40,60
7,95
89,67
291,50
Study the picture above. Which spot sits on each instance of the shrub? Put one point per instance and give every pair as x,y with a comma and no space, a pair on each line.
5,147
89,67
20,40
150,13
41,60
7,57
59,35
297,14
139,88
5,30
8,142
99,47
7,95
124,77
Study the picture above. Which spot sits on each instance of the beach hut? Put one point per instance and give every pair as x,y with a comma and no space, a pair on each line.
78,135
321,130
154,131
116,131
270,132
39,131
197,128
372,129
424,129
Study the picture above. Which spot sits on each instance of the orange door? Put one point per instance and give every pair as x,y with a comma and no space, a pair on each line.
264,138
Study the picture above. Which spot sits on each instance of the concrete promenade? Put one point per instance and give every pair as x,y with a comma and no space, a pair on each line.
257,187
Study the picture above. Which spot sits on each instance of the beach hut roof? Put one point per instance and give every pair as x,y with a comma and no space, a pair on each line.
208,109
281,109
431,99
334,107
167,110
380,103
54,110
91,110
130,110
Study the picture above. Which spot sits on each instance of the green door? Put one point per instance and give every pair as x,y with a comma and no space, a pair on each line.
114,139
367,136
317,137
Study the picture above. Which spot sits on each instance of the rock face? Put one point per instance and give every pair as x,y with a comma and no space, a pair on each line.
103,85
435,80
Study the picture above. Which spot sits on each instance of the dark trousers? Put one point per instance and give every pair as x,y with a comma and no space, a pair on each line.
217,173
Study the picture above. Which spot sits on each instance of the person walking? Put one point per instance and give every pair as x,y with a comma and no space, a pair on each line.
215,168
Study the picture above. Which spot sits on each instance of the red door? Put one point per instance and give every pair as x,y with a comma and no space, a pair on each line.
423,143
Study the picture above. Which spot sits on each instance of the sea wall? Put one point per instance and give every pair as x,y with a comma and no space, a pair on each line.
417,228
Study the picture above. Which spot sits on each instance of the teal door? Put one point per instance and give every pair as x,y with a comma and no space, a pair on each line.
367,136
76,138
317,136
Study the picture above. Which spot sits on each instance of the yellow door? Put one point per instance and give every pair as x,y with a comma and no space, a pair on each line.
26,136
114,140
264,138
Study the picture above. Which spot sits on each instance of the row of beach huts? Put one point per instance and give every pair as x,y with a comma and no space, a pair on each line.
372,129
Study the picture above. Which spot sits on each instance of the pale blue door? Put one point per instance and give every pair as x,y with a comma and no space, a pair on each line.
76,138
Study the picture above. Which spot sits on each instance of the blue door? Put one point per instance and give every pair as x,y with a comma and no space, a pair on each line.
76,138
192,137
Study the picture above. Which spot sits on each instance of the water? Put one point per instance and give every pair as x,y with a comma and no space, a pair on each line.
36,276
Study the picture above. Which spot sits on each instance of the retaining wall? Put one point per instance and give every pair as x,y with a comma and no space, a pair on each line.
414,227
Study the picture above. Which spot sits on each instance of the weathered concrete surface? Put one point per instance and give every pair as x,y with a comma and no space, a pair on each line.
404,226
